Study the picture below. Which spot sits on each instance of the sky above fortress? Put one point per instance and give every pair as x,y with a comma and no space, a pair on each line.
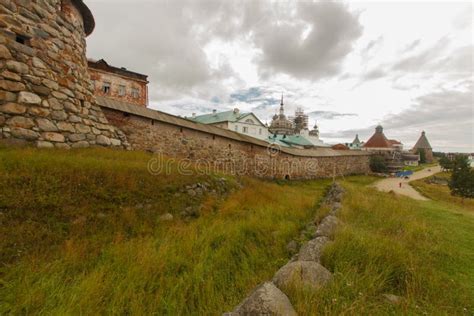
350,65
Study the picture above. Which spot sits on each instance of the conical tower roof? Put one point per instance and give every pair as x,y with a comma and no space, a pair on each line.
356,140
422,142
378,140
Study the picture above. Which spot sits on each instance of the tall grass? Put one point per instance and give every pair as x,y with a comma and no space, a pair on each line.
80,234
388,244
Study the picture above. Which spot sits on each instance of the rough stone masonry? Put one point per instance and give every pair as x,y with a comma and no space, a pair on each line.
219,150
45,91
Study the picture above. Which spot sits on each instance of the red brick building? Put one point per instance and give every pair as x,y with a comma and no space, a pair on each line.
389,149
118,83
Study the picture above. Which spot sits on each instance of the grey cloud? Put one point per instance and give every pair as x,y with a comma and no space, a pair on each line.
146,41
371,49
374,74
329,115
446,115
424,64
412,46
434,109
349,135
331,30
166,40
230,19
459,62
418,62
373,43
163,39
186,106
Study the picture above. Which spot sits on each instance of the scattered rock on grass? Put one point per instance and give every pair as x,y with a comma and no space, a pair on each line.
166,217
101,215
292,247
392,299
191,212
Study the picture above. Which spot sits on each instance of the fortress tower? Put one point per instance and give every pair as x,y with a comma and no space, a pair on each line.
423,145
46,96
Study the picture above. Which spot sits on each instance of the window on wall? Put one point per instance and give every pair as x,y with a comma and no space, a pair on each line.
23,40
135,93
249,121
259,131
245,129
122,90
236,128
106,87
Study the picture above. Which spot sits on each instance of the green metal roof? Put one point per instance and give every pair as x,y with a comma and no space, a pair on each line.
227,116
290,140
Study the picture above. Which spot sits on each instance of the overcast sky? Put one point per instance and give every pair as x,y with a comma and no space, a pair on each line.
350,65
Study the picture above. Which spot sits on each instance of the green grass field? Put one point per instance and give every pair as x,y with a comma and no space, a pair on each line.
419,167
80,234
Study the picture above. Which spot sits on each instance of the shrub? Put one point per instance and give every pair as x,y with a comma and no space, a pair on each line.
462,178
445,163
378,164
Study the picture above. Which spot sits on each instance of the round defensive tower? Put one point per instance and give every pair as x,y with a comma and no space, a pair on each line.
46,96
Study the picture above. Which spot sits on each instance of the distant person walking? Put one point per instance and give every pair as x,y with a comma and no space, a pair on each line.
400,185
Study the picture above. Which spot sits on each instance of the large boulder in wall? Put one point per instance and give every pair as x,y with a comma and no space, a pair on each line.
312,250
302,274
328,226
266,299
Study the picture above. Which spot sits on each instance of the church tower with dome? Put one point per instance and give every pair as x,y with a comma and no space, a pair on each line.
280,124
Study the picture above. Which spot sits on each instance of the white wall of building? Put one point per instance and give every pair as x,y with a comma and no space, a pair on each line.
313,139
251,127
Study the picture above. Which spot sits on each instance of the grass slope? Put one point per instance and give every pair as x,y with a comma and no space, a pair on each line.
422,251
441,193
80,234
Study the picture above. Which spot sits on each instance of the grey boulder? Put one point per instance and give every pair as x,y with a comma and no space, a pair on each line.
327,226
266,299
302,274
312,250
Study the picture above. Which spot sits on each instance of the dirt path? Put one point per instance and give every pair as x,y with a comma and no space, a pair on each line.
393,184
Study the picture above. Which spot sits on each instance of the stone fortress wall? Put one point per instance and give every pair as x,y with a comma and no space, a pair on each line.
218,150
45,91
46,99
